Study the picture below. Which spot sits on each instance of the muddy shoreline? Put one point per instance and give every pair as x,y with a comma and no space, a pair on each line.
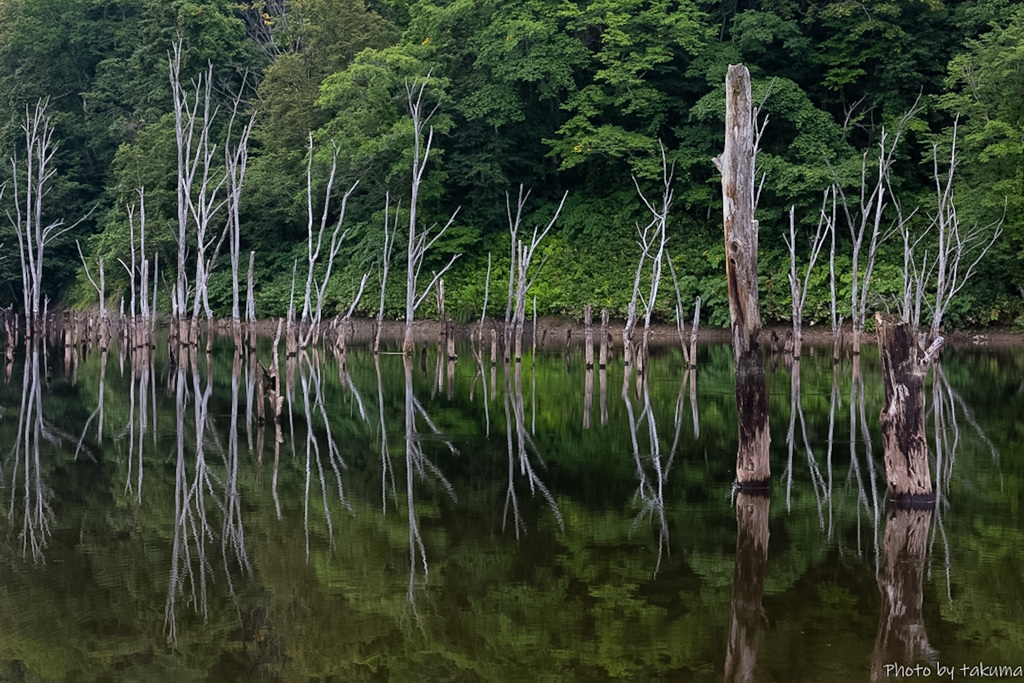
553,331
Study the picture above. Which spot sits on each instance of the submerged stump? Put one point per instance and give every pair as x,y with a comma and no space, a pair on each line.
902,419
737,167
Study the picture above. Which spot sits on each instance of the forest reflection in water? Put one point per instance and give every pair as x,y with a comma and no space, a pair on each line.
182,515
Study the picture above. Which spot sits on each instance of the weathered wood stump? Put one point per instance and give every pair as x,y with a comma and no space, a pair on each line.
737,167
902,419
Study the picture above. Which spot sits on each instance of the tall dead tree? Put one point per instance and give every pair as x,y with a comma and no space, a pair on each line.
390,232
959,251
196,197
521,277
658,238
737,167
798,287
101,294
420,241
235,163
864,216
31,180
312,311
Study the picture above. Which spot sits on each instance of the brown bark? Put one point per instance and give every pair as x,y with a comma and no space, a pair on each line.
903,415
748,586
737,167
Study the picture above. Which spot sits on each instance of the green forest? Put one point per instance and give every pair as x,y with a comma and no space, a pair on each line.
559,97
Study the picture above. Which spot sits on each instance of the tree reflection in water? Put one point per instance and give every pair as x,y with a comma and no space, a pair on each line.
214,546
311,378
200,492
418,464
651,489
30,494
867,482
822,488
520,442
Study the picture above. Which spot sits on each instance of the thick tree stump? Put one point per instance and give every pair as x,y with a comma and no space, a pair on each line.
903,415
737,167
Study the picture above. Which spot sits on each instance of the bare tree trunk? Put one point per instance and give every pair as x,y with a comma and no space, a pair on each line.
236,162
588,338
389,243
419,243
31,181
837,320
659,237
959,251
903,416
693,334
737,167
250,303
798,287
520,277
602,356
103,331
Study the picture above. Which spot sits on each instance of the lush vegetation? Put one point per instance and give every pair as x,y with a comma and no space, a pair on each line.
555,95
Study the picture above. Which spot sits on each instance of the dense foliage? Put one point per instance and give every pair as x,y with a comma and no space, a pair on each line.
553,94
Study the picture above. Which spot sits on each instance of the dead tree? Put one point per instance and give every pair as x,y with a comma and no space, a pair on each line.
865,213
101,292
235,163
798,287
904,366
138,273
483,313
689,350
521,278
390,231
313,312
197,193
737,167
31,180
835,318
959,251
420,241
658,239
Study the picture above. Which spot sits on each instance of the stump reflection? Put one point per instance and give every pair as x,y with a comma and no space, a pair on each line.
902,638
748,586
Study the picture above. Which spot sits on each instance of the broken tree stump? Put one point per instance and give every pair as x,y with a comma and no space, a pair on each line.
904,367
737,167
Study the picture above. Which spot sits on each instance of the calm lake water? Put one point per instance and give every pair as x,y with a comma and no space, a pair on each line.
426,521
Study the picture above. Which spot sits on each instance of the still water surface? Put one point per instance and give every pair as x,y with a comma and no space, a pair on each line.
428,521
